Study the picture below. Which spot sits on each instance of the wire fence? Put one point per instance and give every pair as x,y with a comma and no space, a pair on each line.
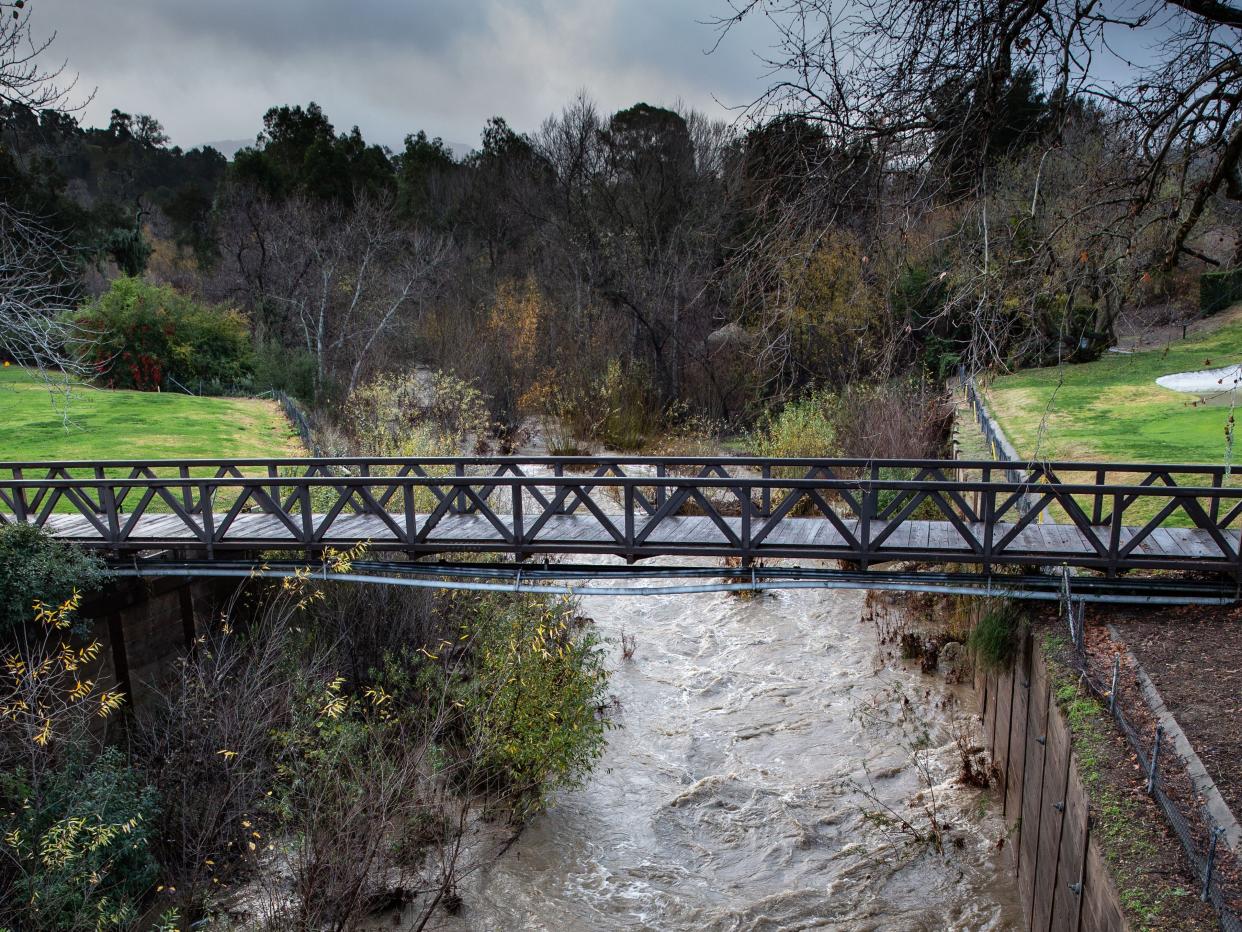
1194,827
998,444
199,387
301,422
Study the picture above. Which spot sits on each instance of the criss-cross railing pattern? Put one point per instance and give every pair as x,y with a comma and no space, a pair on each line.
1113,517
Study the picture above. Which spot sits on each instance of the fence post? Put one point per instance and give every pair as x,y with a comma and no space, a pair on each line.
1155,760
1211,860
1112,695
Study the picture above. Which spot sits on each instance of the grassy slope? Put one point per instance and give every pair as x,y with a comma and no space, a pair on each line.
135,425
1112,409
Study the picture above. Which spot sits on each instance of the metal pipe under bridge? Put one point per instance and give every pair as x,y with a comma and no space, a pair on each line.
1132,532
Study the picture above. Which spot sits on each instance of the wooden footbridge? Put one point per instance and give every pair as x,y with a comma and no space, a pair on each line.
1155,532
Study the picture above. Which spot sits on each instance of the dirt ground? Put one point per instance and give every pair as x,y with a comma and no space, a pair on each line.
1194,656
1159,325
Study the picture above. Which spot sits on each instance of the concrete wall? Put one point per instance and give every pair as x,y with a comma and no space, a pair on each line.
1063,880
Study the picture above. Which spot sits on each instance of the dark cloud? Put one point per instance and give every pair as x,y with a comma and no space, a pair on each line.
210,70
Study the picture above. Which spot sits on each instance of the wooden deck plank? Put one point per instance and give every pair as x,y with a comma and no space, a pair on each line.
825,534
895,540
1149,546
945,536
801,531
1169,543
699,529
920,534
1058,537
1040,541
1198,543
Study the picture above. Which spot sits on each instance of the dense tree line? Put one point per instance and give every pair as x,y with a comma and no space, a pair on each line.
931,204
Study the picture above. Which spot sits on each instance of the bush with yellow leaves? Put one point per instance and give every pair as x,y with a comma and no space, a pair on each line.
75,821
47,694
531,699
78,845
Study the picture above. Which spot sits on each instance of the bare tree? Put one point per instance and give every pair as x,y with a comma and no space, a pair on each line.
631,210
928,89
24,80
37,275
336,280
38,285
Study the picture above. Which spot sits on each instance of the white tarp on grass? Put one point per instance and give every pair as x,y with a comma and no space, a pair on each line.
1205,381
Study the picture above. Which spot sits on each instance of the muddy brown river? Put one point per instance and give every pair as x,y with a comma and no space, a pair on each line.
760,743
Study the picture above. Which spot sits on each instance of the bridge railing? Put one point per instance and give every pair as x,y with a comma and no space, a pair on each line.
1027,474
1118,515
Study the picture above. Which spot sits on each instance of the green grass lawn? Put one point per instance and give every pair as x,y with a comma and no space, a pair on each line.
1113,410
100,424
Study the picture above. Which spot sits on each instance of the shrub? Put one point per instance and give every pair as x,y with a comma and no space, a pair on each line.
1218,290
632,412
996,635
34,566
289,371
900,419
46,695
141,334
802,429
533,698
407,415
78,845
353,776
340,795
360,625
74,829
208,740
569,413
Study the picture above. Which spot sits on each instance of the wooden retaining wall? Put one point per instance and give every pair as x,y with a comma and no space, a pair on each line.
142,626
1064,882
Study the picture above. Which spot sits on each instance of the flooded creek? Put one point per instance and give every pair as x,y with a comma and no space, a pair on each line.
744,790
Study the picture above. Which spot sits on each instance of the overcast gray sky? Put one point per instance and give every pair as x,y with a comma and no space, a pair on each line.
209,70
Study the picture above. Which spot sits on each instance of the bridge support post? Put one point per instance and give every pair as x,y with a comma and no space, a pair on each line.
120,660
744,531
870,499
189,633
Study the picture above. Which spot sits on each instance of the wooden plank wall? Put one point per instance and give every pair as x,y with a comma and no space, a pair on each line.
1064,882
144,626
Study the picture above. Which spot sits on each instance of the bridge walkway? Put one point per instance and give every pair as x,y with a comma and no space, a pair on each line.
791,537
